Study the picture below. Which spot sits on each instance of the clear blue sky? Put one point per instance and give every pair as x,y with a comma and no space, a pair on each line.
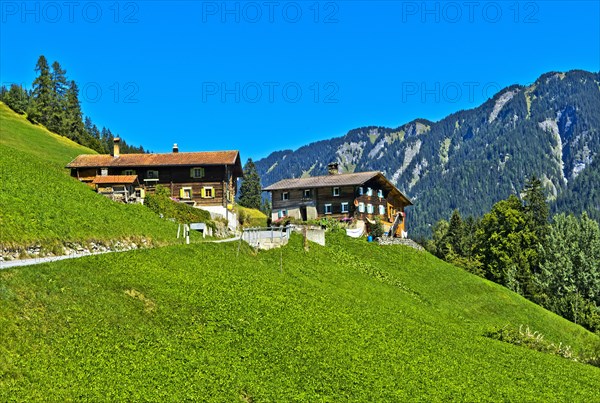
270,75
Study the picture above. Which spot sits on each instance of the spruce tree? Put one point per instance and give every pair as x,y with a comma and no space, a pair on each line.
59,101
42,95
455,234
536,207
250,191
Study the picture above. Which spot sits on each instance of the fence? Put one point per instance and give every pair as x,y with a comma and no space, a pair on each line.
267,237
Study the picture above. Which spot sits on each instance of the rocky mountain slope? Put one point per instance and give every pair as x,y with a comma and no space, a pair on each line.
473,158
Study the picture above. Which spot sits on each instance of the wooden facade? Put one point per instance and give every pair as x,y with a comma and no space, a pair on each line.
199,179
364,196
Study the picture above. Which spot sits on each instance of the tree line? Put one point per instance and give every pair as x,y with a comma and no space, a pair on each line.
554,263
53,101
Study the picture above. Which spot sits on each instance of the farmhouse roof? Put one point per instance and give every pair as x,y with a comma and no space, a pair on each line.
114,179
157,160
351,179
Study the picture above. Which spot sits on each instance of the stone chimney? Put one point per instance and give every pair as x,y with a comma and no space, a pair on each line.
116,151
175,148
333,168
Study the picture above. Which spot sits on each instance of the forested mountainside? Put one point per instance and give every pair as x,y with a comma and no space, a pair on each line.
473,158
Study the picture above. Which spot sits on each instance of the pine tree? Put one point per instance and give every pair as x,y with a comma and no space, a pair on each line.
536,207
250,190
455,234
40,110
16,98
59,101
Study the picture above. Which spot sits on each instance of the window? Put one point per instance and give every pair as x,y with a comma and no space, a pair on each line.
104,171
185,193
336,191
381,209
380,193
285,195
369,209
152,174
369,192
307,194
208,192
361,207
197,172
328,209
282,213
360,191
129,172
345,207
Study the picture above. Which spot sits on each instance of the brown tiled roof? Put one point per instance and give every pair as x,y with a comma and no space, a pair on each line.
353,179
110,179
155,160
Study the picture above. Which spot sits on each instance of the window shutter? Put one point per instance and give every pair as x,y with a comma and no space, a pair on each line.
203,192
192,173
191,193
181,193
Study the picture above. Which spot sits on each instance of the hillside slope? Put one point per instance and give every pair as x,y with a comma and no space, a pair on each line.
350,321
43,205
472,158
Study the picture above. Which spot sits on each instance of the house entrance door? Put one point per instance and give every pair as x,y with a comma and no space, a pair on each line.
303,213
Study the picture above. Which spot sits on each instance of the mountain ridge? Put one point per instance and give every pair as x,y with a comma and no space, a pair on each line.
474,157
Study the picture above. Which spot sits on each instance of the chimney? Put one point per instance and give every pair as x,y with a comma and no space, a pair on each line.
332,168
117,141
175,148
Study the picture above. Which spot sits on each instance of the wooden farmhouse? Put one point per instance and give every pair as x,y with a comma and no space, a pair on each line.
201,179
361,195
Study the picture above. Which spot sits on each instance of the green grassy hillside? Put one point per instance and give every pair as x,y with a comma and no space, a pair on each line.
42,204
350,321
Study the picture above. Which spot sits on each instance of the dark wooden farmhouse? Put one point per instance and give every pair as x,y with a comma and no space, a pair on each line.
360,195
200,179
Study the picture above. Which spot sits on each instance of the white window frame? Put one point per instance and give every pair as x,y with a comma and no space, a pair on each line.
336,191
307,194
152,174
194,173
381,209
103,171
370,209
285,195
361,207
345,207
129,172
380,193
212,192
361,191
369,192
329,207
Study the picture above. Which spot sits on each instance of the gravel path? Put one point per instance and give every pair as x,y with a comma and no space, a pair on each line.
5,264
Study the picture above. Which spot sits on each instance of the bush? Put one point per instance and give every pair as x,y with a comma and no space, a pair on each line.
376,230
163,205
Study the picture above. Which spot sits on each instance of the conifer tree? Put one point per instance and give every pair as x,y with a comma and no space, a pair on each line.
250,190
42,95
455,235
59,100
